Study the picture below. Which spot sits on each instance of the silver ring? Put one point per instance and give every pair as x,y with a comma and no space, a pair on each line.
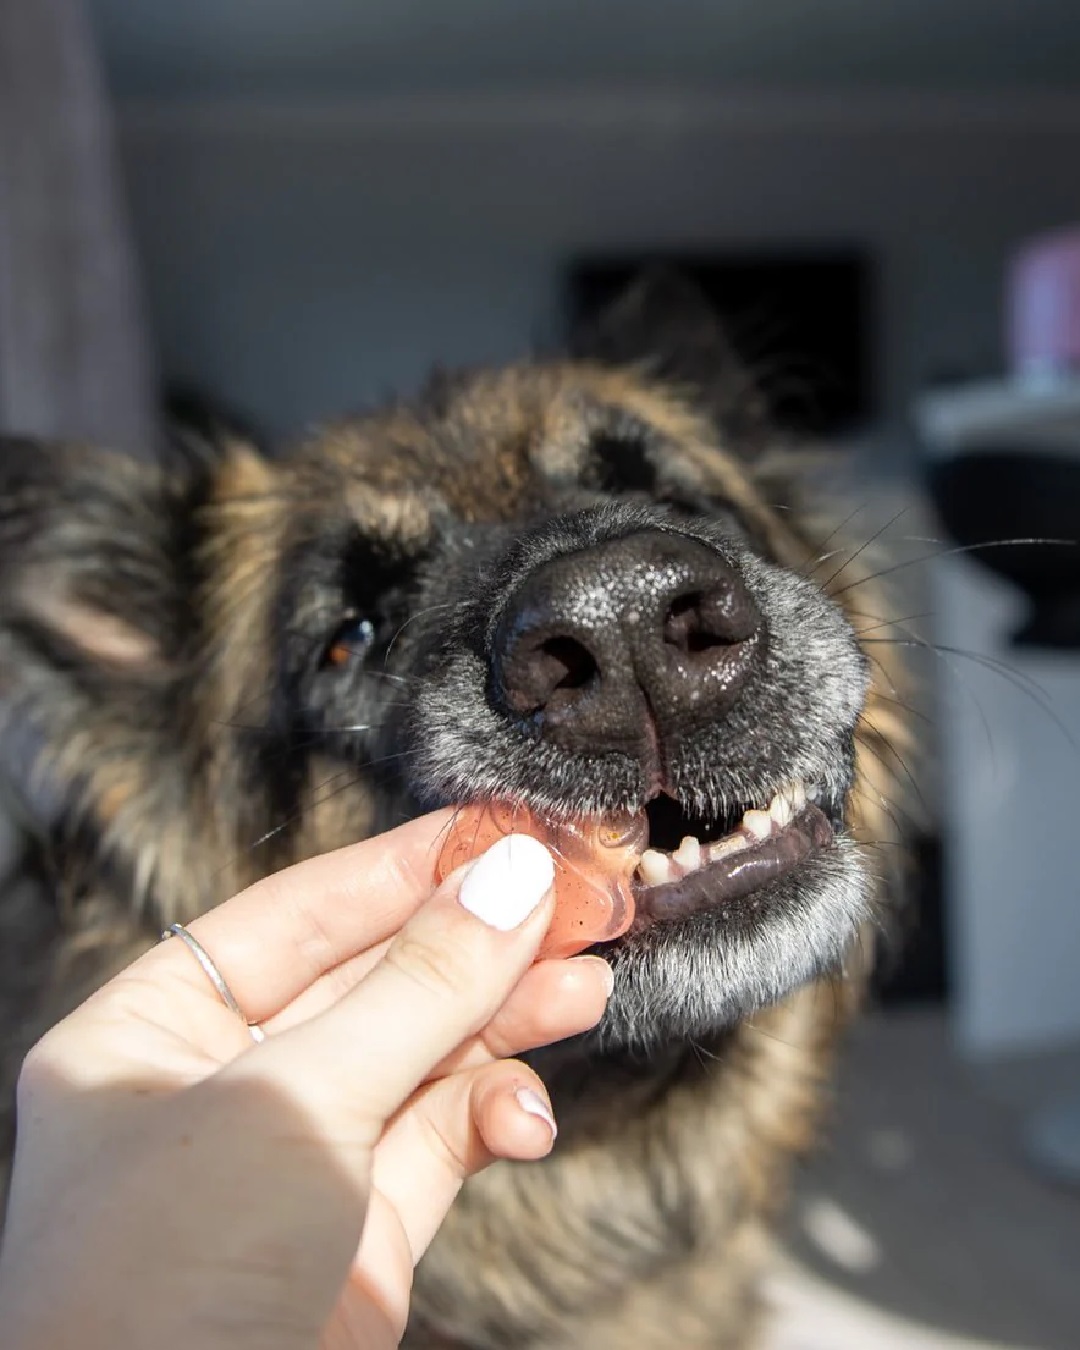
214,975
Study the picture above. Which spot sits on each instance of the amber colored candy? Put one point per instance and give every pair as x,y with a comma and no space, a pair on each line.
595,858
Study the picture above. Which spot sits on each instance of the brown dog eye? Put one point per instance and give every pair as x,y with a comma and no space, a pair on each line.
350,643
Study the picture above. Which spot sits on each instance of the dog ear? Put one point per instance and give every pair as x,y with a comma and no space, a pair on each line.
106,658
666,324
202,428
93,556
96,576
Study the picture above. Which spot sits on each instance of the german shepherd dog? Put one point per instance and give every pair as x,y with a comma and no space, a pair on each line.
586,584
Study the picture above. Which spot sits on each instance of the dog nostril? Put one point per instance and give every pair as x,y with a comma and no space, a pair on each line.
702,620
547,674
684,627
567,663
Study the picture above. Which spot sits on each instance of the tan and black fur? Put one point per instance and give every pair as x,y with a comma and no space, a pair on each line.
164,639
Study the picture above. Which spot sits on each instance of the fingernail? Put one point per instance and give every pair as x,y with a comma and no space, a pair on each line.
506,883
608,975
532,1103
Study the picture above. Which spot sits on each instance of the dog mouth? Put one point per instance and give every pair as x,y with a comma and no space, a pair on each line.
625,871
693,862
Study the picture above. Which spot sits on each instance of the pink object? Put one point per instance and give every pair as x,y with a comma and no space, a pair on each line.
1043,305
595,859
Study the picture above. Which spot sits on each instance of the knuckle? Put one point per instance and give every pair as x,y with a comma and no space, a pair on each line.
37,1068
316,945
445,968
406,876
454,1153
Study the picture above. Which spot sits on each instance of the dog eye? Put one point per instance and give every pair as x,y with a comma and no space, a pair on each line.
350,642
621,462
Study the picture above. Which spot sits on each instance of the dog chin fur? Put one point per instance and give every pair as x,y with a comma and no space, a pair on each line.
687,981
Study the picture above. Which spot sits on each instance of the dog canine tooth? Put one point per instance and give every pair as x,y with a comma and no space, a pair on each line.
758,823
780,809
789,802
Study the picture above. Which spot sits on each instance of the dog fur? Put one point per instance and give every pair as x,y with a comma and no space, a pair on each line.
163,636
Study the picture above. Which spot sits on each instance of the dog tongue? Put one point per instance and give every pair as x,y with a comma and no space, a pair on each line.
595,858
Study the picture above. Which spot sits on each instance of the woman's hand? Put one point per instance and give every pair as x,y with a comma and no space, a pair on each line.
177,1185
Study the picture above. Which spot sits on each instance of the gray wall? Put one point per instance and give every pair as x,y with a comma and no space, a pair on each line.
279,47
307,261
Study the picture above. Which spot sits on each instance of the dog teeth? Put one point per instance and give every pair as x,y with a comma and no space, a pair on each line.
688,855
655,868
724,848
780,809
758,824
659,869
788,803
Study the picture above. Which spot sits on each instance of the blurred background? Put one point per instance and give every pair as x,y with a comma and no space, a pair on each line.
298,209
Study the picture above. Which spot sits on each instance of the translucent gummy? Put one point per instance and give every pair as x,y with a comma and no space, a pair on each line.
595,858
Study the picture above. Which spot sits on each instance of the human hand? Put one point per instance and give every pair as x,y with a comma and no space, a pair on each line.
175,1184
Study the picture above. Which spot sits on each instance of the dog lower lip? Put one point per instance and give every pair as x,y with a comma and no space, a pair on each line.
733,878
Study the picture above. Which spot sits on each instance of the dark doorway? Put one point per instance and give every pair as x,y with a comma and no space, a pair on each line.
802,320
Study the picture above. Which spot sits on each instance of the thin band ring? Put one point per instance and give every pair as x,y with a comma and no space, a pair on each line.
214,975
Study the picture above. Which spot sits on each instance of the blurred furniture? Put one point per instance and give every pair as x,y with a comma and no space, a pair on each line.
74,352
1007,466
1003,462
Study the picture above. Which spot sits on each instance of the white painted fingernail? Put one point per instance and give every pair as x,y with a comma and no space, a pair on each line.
506,883
608,973
532,1103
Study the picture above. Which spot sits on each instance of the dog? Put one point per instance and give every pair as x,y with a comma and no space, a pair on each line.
588,584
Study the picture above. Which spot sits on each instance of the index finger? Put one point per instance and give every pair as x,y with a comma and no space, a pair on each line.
279,936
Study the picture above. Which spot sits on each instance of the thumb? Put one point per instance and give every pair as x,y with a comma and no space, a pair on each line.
442,979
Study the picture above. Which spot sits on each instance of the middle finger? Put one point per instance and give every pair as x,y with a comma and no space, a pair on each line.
553,1000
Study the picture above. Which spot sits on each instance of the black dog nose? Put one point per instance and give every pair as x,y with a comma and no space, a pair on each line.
605,647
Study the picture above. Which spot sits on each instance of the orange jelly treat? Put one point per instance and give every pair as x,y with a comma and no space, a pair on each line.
594,861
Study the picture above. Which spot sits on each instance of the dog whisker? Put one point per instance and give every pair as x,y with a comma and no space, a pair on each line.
840,529
907,708
392,676
884,741
421,613
1019,680
319,797
862,549
892,623
948,553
